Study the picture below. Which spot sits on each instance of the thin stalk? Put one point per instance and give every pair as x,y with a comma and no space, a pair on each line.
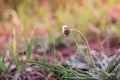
29,48
53,54
52,40
44,53
88,51
14,48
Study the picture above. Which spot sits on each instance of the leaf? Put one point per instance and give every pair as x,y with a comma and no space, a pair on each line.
14,47
48,66
2,67
81,78
112,65
60,71
29,50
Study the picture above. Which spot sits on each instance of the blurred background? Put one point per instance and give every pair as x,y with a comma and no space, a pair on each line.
99,20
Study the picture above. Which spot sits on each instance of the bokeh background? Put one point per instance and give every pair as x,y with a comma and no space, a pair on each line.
97,19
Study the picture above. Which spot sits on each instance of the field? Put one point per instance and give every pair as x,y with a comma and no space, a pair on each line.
59,40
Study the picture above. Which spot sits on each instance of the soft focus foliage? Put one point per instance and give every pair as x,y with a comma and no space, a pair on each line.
89,16
31,30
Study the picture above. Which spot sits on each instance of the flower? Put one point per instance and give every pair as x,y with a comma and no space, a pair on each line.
65,30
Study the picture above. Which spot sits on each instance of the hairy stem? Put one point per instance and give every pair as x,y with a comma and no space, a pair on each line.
88,47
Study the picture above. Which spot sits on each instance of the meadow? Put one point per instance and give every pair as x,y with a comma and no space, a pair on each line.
59,40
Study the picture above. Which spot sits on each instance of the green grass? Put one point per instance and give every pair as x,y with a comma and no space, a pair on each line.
105,73
70,74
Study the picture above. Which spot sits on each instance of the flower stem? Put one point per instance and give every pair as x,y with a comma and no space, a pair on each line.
88,50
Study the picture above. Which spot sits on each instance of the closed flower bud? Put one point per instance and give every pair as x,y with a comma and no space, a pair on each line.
65,30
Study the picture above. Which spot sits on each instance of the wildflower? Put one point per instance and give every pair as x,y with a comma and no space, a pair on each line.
65,30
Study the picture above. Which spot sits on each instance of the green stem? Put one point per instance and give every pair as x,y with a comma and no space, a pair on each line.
88,53
53,54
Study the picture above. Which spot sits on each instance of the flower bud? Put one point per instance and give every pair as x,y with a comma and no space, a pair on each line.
65,30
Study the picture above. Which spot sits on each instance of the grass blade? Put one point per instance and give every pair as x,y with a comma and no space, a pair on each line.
2,67
80,78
